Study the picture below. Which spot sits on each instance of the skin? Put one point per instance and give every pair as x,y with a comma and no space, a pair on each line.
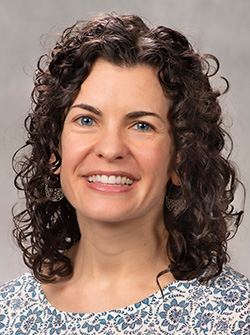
118,126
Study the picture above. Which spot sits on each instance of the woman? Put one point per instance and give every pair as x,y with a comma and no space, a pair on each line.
127,191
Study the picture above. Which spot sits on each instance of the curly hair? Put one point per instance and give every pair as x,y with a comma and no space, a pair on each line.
204,220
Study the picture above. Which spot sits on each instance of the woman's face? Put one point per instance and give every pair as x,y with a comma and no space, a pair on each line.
116,145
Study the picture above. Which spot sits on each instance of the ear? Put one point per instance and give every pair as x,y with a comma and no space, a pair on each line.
175,178
51,161
57,172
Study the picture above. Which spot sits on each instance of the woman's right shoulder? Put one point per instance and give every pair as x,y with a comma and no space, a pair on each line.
19,299
17,291
14,286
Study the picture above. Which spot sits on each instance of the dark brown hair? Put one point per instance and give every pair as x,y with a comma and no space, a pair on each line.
204,219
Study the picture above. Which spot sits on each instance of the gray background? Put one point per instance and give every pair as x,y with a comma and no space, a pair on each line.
220,27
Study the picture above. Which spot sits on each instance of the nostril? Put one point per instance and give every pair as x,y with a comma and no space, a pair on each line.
111,148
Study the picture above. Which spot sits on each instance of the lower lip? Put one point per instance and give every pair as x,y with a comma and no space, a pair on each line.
108,188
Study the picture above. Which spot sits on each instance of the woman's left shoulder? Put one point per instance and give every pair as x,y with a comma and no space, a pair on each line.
230,281
228,295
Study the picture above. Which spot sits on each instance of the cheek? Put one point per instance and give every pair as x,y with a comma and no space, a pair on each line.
73,149
157,160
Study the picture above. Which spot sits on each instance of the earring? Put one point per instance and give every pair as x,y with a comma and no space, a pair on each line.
173,204
54,195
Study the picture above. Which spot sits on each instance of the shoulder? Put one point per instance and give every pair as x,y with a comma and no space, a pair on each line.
232,289
230,279
17,298
16,287
226,302
220,307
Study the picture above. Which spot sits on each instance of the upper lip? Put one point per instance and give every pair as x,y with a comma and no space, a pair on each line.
112,173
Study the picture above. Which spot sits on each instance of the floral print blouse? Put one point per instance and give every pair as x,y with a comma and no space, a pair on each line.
188,307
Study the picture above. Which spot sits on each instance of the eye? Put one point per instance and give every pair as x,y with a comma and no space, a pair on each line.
142,126
86,121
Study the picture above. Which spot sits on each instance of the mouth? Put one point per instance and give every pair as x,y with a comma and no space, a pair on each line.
111,180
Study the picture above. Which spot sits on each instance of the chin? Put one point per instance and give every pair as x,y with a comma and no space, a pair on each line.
109,215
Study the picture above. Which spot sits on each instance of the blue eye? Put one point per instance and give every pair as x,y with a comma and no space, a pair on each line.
142,126
86,121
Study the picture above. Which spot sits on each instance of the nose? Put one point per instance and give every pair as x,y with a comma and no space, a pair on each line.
111,145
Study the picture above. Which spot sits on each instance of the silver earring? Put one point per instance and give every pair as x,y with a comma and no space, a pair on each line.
173,204
54,195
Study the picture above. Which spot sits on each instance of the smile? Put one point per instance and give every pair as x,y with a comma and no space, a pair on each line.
110,180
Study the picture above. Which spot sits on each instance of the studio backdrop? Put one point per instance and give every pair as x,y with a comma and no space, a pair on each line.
220,27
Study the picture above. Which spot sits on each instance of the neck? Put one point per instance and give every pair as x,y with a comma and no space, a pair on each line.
116,262
116,252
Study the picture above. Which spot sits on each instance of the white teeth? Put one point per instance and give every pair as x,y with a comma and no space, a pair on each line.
104,179
123,181
129,181
112,180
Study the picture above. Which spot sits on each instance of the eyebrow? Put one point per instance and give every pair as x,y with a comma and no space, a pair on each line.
88,108
131,115
134,115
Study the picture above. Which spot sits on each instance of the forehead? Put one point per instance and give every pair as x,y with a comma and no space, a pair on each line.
122,86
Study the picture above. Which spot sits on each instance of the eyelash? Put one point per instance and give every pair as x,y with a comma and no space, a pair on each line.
144,123
78,120
86,117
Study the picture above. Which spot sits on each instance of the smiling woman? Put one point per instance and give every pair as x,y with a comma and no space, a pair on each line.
105,136
128,195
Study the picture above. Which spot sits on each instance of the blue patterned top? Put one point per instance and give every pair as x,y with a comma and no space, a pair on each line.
222,307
